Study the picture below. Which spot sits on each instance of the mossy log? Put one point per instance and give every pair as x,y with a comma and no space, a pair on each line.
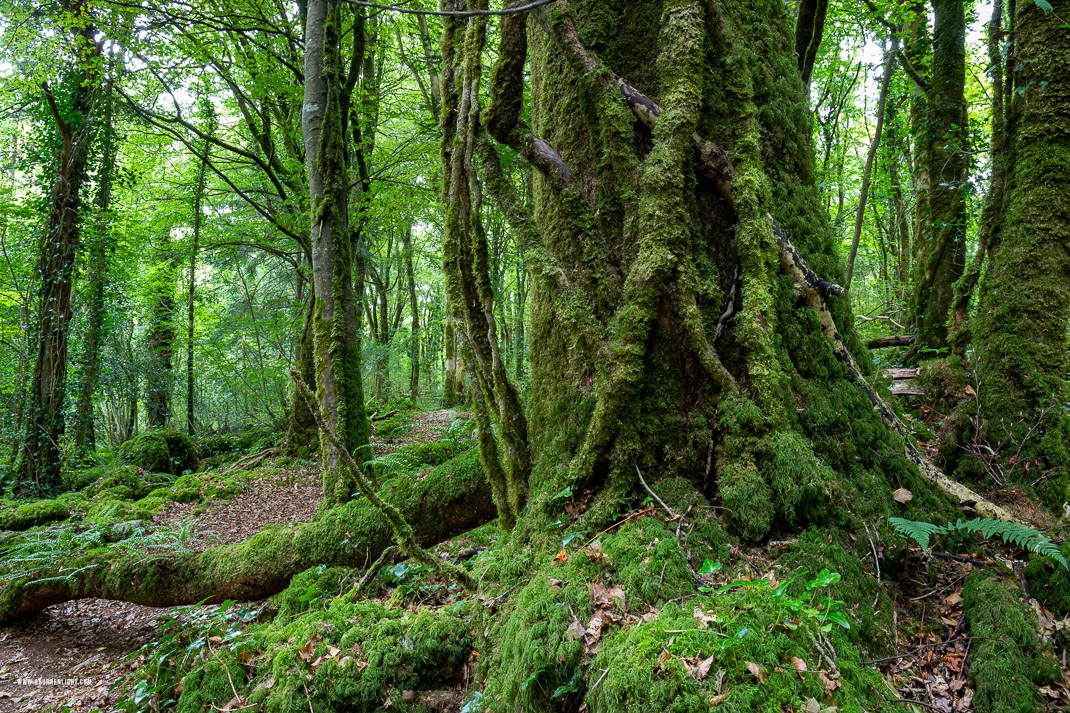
448,501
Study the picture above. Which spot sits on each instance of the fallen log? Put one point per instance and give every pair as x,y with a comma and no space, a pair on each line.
900,340
448,501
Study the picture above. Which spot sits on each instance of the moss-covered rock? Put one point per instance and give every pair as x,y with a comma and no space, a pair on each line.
27,515
161,451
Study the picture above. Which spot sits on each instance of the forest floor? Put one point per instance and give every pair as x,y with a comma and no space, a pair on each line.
72,654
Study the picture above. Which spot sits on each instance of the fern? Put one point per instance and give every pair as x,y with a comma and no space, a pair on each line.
1010,532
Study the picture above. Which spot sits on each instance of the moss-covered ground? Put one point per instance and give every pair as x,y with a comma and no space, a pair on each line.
635,611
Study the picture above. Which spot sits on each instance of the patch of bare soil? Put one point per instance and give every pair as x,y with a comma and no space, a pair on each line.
425,426
70,654
274,496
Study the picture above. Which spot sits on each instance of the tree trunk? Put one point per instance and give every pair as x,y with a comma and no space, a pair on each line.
449,501
414,317
41,458
161,337
867,172
190,413
301,430
940,240
85,423
809,28
1024,306
337,357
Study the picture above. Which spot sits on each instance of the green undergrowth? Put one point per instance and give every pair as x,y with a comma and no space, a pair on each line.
1008,660
1049,582
338,656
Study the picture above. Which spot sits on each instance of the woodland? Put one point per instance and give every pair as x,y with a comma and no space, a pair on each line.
534,355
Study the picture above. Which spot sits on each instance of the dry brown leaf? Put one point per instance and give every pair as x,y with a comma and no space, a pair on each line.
831,684
718,699
953,599
575,631
555,582
562,556
954,662
703,618
902,495
594,551
701,668
799,665
756,671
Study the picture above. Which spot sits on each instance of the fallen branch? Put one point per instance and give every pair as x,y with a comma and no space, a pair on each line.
450,500
383,416
249,460
900,340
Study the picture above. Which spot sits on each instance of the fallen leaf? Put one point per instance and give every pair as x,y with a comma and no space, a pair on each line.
954,662
812,706
831,684
701,668
953,598
562,556
555,582
575,631
902,495
756,671
703,618
799,665
594,551
718,699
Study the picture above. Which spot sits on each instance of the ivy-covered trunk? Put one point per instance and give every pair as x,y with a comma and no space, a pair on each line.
942,166
161,337
99,248
334,326
41,459
1020,327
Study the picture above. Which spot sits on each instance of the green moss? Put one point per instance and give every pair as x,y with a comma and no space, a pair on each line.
313,588
211,685
1049,582
648,666
27,515
160,451
1008,661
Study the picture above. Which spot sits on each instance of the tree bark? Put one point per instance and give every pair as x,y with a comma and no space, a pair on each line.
414,319
85,424
41,457
191,295
809,29
337,358
940,240
161,336
1024,306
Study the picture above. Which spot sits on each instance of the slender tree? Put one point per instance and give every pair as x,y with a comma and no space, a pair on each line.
334,327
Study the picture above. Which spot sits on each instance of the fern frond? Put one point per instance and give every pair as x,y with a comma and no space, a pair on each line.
920,532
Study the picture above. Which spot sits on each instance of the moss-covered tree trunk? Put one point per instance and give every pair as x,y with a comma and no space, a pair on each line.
942,163
161,336
1020,328
40,458
334,326
99,248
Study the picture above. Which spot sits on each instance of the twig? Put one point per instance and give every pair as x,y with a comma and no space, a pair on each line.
873,547
911,700
960,558
371,572
916,649
672,515
680,524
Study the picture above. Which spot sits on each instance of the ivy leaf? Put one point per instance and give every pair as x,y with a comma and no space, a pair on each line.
1044,5
710,567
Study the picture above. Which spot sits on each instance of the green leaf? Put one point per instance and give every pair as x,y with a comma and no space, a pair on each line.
1044,5
566,493
710,567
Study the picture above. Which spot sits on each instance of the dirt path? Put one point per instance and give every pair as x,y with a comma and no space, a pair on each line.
71,654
